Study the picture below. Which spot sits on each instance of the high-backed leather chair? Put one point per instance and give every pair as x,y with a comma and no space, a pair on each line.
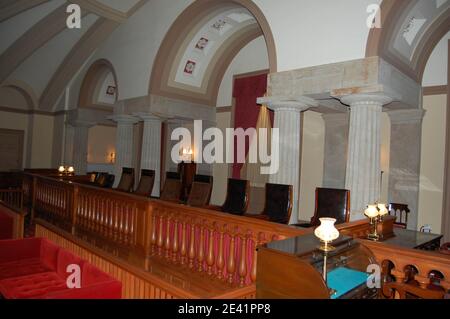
237,198
400,211
277,204
172,187
127,180
146,183
201,190
333,203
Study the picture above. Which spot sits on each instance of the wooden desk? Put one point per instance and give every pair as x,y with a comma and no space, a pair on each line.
414,239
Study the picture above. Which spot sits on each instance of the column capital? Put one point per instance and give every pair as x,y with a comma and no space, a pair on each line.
295,104
124,119
80,123
148,117
366,99
409,116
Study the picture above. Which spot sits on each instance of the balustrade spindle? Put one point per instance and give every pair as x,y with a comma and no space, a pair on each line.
160,242
220,257
183,249
175,241
256,241
201,245
167,241
192,246
153,236
243,261
231,264
210,257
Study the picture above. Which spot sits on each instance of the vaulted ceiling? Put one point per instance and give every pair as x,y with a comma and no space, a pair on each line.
39,54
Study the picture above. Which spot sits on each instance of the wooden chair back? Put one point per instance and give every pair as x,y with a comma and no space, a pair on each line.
146,183
127,180
172,187
201,190
400,211
237,198
333,203
278,203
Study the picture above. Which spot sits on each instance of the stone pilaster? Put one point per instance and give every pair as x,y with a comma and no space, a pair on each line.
335,152
405,154
124,143
363,160
151,148
80,146
288,121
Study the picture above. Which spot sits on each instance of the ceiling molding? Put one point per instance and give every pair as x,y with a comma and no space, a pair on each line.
102,10
31,41
136,7
75,60
11,8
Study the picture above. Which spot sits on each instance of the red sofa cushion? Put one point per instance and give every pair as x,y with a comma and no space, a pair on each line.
22,268
32,286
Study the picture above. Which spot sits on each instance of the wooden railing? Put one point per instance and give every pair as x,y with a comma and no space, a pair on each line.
12,198
218,244
411,272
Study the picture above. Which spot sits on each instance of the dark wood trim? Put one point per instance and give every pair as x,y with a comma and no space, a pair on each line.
435,90
445,223
224,109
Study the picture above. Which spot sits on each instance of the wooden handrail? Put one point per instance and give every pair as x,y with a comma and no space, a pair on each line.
397,264
13,198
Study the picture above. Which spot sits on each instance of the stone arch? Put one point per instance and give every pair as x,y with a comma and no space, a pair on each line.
96,75
25,90
170,54
394,13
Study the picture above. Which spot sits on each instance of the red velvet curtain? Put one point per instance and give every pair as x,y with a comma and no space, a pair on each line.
246,91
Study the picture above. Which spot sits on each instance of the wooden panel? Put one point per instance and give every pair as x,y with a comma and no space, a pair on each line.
11,149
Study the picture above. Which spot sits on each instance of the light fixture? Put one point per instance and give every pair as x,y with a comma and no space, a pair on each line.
61,169
372,213
382,210
71,170
326,232
186,154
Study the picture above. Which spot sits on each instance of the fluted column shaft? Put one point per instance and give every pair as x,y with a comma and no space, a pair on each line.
124,144
151,148
288,121
363,160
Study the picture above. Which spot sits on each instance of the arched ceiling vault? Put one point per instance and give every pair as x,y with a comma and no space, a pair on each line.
410,31
200,46
108,15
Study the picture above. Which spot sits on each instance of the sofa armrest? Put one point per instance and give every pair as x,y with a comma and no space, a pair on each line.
105,290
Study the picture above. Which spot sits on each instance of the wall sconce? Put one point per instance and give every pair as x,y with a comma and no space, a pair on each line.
112,157
186,154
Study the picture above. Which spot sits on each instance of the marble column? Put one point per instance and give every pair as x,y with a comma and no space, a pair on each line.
124,144
404,163
80,146
288,121
335,151
363,170
151,148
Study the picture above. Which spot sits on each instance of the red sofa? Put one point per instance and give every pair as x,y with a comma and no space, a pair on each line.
35,268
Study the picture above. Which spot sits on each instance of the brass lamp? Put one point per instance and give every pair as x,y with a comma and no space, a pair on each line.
383,211
326,232
373,213
61,169
71,170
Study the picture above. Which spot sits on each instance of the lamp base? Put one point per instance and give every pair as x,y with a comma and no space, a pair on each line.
326,248
373,237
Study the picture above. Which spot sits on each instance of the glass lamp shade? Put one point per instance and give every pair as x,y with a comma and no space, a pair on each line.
326,231
61,169
371,211
71,169
382,209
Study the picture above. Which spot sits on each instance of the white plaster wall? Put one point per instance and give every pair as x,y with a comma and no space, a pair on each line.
101,143
102,96
436,70
432,162
385,156
315,32
42,148
16,121
253,57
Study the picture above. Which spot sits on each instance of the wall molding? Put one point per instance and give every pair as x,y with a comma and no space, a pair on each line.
30,112
435,90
